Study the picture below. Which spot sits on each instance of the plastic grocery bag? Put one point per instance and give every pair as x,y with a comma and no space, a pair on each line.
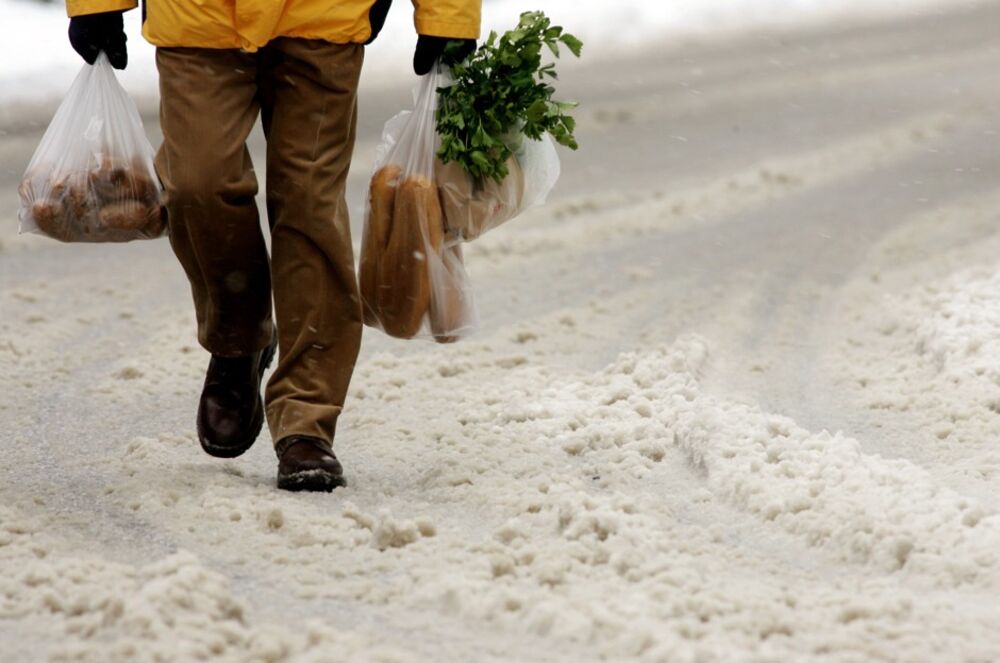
471,208
420,211
92,177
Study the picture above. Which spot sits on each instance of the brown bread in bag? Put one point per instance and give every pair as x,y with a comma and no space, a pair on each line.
471,208
50,215
449,308
114,181
112,202
156,221
381,200
125,215
403,278
77,196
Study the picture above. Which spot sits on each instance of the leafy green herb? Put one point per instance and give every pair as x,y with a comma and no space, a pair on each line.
502,88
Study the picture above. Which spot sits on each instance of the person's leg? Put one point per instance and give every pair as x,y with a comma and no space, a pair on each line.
208,106
209,103
309,107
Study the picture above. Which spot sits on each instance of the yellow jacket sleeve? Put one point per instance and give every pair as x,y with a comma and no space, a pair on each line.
445,18
81,7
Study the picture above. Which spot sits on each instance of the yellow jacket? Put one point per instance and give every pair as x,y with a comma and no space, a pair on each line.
249,24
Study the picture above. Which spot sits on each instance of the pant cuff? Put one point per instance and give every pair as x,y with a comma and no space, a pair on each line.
289,417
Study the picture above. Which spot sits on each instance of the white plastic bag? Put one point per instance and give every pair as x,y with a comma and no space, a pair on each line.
92,177
472,208
420,210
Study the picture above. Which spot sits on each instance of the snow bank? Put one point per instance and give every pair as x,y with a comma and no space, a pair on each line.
921,345
961,334
45,75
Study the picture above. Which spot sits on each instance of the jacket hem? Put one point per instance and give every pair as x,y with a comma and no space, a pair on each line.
453,29
84,7
237,44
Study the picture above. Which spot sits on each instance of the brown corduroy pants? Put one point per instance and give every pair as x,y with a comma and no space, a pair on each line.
305,92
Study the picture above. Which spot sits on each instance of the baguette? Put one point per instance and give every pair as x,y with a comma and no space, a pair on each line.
403,277
381,200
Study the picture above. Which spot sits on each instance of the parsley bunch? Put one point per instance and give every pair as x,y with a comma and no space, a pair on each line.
501,88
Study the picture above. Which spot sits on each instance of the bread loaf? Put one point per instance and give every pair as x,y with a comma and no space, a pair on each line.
381,200
403,283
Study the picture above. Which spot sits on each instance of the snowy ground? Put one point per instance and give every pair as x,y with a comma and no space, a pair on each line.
761,241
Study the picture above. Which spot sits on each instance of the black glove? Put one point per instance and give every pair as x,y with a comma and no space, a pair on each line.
92,33
430,49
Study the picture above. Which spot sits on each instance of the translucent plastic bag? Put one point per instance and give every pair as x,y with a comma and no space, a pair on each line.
92,177
420,210
471,208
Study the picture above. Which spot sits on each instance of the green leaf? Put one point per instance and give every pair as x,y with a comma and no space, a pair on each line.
501,89
572,43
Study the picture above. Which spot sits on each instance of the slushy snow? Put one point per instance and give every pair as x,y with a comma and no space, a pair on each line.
540,511
534,492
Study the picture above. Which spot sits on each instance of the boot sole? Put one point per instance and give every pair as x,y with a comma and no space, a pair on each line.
232,451
311,480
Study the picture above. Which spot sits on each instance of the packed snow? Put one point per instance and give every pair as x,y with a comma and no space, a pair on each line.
544,500
695,426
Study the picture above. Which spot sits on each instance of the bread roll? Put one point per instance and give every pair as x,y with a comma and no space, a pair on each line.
155,221
124,215
50,216
110,182
145,183
73,193
114,181
403,277
114,202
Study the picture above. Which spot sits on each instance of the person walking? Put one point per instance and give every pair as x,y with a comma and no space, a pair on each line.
296,64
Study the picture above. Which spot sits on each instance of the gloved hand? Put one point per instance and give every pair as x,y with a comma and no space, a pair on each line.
92,33
430,49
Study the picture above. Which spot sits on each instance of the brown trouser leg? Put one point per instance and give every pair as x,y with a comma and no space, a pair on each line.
306,93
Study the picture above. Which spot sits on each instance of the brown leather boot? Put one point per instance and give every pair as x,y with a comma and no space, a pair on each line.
307,463
231,411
